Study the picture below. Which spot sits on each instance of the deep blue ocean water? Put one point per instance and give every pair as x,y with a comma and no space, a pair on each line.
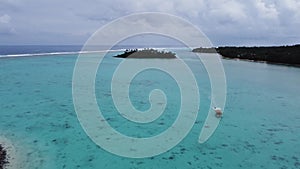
260,127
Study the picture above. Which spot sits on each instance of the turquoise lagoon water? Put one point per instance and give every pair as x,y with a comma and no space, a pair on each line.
260,127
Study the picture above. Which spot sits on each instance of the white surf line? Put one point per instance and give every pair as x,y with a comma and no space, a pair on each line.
54,53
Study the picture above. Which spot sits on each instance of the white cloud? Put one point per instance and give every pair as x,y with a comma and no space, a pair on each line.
191,8
291,4
5,25
265,10
289,11
5,19
226,10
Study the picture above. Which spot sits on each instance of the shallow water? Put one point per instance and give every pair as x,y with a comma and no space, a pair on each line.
260,127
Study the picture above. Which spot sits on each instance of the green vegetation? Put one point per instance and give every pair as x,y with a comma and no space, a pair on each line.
2,157
146,53
205,50
275,54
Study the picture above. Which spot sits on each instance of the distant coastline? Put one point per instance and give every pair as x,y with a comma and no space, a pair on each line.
289,55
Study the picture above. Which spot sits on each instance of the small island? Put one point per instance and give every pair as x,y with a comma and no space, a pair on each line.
3,159
274,54
146,53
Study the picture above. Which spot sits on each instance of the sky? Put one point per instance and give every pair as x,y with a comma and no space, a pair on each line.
224,22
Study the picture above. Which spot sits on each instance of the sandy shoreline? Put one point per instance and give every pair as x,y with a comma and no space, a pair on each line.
10,153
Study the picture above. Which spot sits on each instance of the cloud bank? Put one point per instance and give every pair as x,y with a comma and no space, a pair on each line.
225,22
